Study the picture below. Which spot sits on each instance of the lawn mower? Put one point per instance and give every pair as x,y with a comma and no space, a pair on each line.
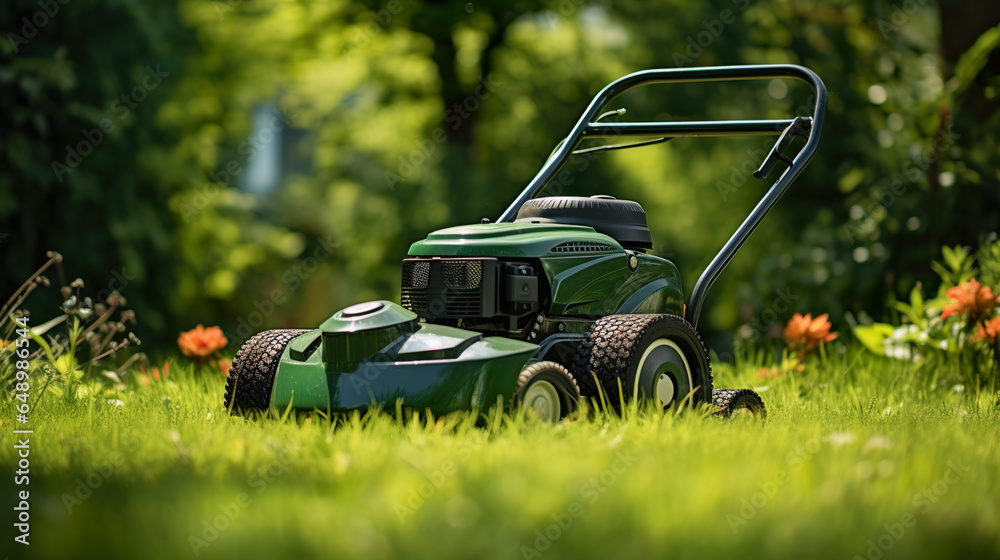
557,300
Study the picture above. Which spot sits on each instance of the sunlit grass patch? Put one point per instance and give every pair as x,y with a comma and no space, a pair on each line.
851,449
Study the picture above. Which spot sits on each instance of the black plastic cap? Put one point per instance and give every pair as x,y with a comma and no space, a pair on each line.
622,220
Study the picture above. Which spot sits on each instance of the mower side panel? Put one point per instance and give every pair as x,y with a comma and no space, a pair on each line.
487,368
604,285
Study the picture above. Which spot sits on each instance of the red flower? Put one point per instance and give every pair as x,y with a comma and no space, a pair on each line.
199,342
969,298
989,334
148,378
803,334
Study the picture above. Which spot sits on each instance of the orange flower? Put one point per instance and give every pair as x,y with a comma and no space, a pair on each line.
225,365
199,342
989,334
147,378
803,334
766,373
969,298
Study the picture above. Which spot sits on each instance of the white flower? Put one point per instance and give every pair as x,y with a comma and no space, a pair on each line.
840,438
878,442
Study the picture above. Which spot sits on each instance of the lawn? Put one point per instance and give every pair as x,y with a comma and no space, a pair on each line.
859,457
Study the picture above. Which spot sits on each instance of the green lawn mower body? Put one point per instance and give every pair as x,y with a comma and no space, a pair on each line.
556,299
382,352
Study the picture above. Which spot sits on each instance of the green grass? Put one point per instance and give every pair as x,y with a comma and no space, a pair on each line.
851,449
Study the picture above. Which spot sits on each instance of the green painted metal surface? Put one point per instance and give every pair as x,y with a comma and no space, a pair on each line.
603,285
367,316
357,332
505,240
433,367
303,345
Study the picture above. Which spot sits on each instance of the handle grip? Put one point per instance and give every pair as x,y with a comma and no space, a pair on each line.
799,127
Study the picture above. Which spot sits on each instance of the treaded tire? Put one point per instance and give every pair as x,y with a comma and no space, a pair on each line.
731,401
613,348
251,378
557,375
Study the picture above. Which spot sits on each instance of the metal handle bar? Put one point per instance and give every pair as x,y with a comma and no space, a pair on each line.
585,127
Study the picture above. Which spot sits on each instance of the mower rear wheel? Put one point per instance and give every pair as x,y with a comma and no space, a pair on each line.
548,390
649,356
248,389
735,403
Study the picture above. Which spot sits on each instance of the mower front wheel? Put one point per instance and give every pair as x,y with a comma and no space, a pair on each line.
248,389
548,390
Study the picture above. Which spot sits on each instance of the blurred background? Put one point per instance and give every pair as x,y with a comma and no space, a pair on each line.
259,164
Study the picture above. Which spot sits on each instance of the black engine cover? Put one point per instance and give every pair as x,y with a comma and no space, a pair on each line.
622,220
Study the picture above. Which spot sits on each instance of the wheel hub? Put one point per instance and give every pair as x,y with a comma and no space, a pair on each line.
665,390
543,398
663,373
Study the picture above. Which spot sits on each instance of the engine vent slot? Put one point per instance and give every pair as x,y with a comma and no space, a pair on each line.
583,247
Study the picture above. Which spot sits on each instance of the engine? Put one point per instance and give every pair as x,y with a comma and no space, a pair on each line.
481,293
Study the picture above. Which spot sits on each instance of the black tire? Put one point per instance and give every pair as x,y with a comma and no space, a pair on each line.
615,345
251,378
733,401
567,393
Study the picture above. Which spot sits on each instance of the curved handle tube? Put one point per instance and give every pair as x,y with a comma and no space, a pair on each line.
585,127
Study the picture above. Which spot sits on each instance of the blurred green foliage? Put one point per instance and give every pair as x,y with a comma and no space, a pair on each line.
398,117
